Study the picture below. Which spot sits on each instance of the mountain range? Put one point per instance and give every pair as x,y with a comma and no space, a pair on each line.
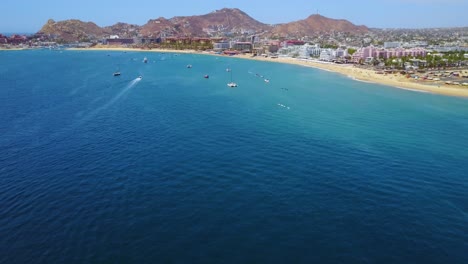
219,23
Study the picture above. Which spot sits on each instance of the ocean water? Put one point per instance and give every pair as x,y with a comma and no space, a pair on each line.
311,167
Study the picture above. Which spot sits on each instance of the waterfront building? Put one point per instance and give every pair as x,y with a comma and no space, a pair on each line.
372,52
149,40
314,51
119,41
220,46
341,52
327,55
242,46
304,51
289,43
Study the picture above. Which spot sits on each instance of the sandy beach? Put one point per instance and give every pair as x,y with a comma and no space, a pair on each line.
349,70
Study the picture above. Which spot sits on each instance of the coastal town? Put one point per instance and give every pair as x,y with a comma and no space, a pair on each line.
422,56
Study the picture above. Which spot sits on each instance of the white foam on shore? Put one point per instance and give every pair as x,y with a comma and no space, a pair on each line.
413,90
325,69
317,67
359,80
399,87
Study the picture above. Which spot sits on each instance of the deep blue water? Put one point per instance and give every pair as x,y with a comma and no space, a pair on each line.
175,168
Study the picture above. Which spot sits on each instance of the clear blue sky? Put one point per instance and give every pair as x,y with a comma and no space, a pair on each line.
30,15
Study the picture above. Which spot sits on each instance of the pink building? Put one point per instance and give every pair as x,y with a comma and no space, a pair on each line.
372,52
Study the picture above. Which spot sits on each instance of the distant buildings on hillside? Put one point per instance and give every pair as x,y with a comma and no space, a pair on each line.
13,39
391,45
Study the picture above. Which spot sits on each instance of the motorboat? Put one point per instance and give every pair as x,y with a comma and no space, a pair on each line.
117,72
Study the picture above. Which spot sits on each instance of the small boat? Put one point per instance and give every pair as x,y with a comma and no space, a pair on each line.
117,72
267,80
145,60
189,66
206,76
139,77
232,84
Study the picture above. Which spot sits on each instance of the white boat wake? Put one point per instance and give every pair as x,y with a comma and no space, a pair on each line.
111,102
67,130
117,97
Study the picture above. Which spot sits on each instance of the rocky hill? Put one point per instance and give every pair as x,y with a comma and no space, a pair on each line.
316,24
216,23
123,30
73,30
224,22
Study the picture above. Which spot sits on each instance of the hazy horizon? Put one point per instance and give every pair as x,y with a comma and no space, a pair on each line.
409,14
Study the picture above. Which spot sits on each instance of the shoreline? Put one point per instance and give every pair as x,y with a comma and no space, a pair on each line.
369,76
348,70
11,49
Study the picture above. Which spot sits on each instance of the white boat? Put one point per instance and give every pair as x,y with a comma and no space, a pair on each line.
139,77
145,60
117,72
232,84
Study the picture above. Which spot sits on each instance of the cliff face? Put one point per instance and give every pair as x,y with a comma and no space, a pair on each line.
316,24
224,22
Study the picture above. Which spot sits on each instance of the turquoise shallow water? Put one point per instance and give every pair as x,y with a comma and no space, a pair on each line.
176,168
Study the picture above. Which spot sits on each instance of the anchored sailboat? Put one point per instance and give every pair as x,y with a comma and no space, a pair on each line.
231,84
